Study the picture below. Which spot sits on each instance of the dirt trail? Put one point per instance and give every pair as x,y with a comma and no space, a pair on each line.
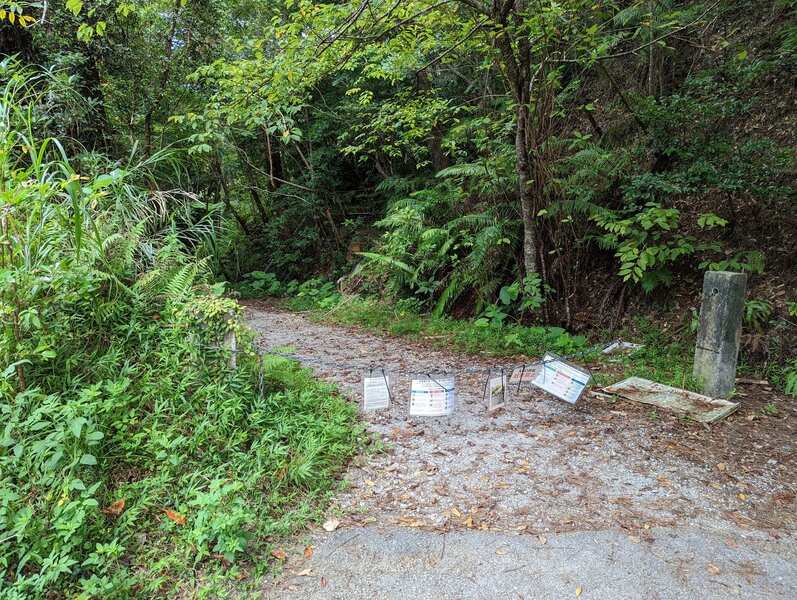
540,467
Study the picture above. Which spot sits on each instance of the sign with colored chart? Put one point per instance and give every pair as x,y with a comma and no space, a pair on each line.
431,398
562,379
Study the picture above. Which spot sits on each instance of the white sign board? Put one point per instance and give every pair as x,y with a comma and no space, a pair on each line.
524,374
497,387
562,379
431,398
376,395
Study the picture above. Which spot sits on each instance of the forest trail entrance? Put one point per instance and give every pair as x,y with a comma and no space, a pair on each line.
539,498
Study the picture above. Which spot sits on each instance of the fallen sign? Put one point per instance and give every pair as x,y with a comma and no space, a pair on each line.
697,406
622,346
561,378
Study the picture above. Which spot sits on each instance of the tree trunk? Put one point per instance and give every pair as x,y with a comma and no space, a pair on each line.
435,141
525,192
164,79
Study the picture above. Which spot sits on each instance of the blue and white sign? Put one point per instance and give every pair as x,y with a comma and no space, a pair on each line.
431,398
562,379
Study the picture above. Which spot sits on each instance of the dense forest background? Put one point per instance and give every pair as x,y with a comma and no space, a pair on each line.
584,152
575,164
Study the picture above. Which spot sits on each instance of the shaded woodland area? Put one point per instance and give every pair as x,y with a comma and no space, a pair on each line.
573,165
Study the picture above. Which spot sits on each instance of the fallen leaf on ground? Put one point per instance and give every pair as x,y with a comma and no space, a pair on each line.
714,569
308,552
542,539
279,554
578,591
721,466
368,482
455,512
115,509
305,573
407,520
468,522
293,588
323,582
417,524
742,496
634,539
331,525
500,552
177,518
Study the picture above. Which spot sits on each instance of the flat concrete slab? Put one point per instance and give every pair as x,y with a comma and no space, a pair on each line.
664,563
697,406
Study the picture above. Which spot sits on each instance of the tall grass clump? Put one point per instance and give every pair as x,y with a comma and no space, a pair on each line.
135,451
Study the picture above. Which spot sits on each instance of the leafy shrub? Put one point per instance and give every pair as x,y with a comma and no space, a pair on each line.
134,441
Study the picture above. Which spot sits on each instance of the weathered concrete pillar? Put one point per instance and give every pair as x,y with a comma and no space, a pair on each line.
721,314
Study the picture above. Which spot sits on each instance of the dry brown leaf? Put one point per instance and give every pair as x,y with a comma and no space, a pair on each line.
578,591
177,518
468,522
305,573
408,520
542,539
115,509
293,588
634,539
721,466
455,512
714,569
279,554
331,525
308,552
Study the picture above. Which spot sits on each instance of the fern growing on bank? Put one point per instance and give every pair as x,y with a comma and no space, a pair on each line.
133,446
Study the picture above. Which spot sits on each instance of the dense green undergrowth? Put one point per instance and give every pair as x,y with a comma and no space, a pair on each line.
137,450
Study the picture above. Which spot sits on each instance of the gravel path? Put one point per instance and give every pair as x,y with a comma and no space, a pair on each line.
540,498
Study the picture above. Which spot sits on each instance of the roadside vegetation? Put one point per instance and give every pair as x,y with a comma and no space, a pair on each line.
136,450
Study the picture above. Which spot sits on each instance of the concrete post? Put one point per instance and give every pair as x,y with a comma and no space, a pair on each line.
719,331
